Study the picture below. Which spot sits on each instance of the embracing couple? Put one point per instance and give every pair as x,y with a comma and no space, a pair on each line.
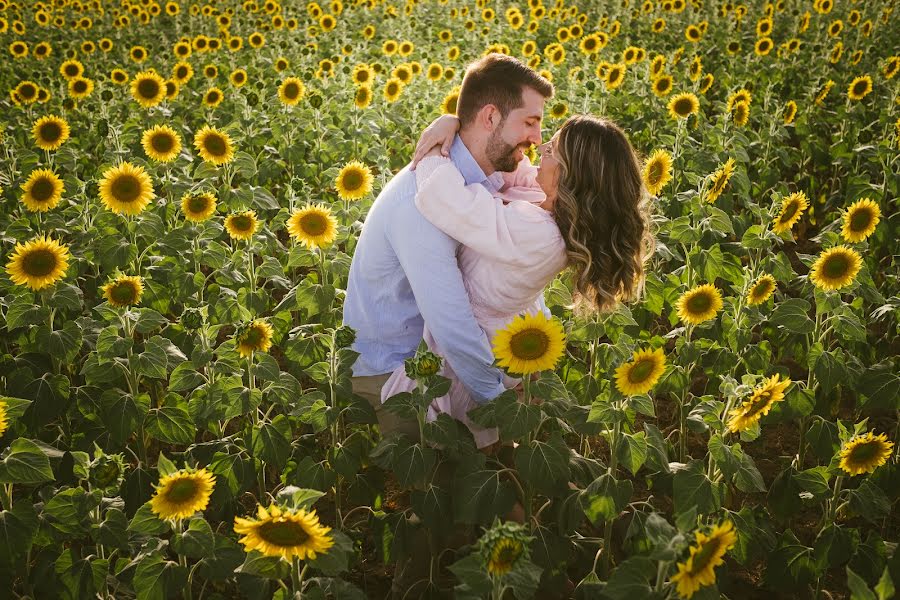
455,247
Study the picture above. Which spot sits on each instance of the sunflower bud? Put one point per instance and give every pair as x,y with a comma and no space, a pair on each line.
504,547
106,471
344,337
192,318
426,364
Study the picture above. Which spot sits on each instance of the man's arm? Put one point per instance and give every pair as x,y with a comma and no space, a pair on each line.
428,258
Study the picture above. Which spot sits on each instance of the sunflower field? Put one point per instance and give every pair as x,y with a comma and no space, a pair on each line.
182,186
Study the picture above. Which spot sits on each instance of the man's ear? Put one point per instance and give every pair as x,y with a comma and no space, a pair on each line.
489,117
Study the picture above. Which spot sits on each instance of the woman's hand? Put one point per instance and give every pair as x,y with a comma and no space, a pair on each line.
439,134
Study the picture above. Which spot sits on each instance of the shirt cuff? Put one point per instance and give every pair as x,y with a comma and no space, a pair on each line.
497,391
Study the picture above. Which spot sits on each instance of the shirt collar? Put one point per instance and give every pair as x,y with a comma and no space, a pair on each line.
470,169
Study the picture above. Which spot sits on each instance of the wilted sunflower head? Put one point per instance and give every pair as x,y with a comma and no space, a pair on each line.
123,291
835,268
860,220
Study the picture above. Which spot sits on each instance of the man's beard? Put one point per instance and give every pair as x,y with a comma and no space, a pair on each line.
501,154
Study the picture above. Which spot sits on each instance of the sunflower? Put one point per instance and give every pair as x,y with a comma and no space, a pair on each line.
179,495
182,72
662,86
683,106
4,421
763,46
363,97
792,208
291,91
71,69
706,82
891,67
720,180
198,207
859,88
285,533
708,552
740,114
124,290
255,336
860,220
161,143
761,290
148,88
213,97
657,171
760,403
835,268
214,145
38,263
615,76
27,91
823,92
80,88
865,453
241,225
118,76
529,343
392,89
637,376
354,181
503,547
43,190
742,95
699,304
434,72
126,189
313,226
50,132
790,112
364,74
448,106
256,40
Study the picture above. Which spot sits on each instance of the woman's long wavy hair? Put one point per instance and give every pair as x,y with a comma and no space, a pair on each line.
603,212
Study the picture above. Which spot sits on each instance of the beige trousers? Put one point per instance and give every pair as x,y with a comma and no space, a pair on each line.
369,387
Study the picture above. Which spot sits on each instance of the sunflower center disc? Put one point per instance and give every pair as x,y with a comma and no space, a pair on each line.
836,267
80,87
252,337
124,293
640,371
182,490
50,132
353,180
162,142
39,263
683,107
313,224
529,344
705,555
215,145
283,533
860,220
789,211
126,188
864,453
241,223
148,88
699,303
291,91
197,204
42,190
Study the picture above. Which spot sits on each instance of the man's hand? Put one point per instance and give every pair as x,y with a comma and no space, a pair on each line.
439,134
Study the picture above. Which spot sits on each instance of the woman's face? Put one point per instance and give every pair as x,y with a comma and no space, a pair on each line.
548,170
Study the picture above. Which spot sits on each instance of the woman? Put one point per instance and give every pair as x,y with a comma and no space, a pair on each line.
584,208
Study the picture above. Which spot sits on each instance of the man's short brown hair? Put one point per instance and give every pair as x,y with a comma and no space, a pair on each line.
497,79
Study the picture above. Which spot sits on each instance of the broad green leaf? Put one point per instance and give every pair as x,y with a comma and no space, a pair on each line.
605,498
793,315
693,489
24,462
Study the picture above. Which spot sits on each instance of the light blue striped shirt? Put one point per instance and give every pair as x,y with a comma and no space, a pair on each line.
404,273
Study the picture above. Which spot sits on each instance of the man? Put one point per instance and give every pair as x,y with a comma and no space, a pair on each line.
404,270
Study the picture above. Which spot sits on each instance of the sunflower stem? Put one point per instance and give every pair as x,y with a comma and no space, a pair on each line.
297,576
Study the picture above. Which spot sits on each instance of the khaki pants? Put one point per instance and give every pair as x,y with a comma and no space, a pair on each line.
369,387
